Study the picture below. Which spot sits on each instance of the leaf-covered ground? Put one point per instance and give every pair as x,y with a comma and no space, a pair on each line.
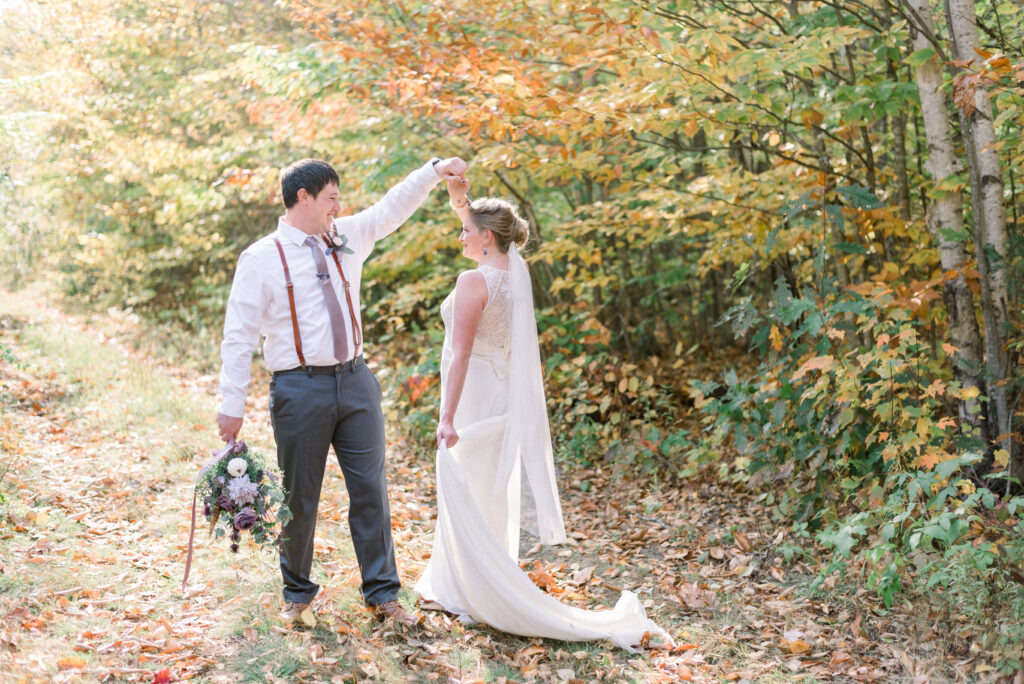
99,445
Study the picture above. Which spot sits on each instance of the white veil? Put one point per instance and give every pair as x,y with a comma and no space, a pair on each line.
527,441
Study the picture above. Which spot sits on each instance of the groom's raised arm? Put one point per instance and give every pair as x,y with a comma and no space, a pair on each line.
400,202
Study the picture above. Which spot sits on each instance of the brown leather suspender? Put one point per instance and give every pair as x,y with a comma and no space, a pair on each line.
291,303
356,337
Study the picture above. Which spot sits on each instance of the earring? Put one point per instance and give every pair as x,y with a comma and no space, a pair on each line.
485,251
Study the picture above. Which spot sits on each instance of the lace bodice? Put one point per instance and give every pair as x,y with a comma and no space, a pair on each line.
493,328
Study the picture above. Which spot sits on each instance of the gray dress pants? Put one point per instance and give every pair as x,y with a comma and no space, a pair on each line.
339,406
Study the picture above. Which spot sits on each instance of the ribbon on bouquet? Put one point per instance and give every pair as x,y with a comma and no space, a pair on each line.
218,455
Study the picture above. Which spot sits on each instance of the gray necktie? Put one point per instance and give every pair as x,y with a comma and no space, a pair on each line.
333,307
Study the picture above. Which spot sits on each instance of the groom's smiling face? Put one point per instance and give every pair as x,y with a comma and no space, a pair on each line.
322,209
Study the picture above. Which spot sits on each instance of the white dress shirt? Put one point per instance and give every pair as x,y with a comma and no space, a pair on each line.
258,303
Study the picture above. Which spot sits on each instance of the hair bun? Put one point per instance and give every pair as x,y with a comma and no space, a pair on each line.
520,231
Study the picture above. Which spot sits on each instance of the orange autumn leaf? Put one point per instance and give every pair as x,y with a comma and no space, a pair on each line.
928,460
543,579
936,389
798,646
816,363
71,662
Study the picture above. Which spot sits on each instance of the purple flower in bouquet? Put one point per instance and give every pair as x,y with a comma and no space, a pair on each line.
245,519
206,510
242,490
234,548
225,503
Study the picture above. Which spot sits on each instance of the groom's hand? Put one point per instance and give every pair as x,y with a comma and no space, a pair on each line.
450,169
228,426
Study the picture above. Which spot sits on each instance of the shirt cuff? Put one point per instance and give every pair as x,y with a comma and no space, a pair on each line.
233,407
433,166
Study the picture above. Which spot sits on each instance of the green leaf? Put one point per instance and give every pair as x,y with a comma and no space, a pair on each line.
851,248
920,57
859,197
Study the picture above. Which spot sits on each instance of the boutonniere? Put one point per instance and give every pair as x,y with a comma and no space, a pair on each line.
339,243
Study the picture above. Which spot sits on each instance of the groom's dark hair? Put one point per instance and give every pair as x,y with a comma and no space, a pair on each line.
312,175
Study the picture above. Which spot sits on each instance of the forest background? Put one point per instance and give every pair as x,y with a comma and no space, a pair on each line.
777,245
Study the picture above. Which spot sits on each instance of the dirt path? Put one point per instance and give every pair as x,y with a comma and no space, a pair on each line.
103,443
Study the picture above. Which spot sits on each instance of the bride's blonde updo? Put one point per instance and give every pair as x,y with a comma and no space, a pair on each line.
501,218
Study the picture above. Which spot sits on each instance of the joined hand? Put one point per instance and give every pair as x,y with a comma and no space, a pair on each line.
451,169
458,190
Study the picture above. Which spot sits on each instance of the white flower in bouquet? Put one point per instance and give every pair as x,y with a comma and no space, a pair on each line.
242,490
237,466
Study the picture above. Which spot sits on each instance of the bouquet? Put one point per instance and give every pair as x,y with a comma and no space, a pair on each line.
240,494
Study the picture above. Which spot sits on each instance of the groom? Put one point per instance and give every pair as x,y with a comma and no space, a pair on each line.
302,293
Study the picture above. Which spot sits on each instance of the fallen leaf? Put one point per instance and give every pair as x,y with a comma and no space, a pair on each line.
798,646
71,662
583,575
543,579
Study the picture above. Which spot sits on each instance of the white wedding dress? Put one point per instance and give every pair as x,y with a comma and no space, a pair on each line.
501,474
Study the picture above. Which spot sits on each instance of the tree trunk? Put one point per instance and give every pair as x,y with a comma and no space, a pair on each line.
991,240
899,134
945,221
899,141
899,130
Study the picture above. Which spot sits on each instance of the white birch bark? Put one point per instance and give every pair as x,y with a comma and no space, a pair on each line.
989,207
945,218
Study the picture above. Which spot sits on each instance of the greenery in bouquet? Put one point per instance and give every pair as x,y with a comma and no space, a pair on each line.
240,494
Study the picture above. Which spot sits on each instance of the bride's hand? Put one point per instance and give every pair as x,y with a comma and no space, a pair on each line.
447,435
458,188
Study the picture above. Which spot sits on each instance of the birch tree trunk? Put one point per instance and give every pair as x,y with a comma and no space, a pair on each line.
989,213
945,220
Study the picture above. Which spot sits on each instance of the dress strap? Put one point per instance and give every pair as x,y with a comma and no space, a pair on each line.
291,303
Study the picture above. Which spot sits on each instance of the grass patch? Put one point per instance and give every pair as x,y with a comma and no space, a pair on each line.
95,373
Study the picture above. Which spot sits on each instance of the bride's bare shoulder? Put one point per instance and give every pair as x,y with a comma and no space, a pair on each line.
471,285
471,278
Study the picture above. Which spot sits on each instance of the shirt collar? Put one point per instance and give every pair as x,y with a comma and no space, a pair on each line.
291,233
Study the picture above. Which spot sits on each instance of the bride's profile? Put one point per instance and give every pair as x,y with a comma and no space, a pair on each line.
495,470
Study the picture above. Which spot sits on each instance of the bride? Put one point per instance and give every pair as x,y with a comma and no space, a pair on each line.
495,470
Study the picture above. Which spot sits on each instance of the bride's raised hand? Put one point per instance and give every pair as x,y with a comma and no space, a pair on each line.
446,434
458,188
